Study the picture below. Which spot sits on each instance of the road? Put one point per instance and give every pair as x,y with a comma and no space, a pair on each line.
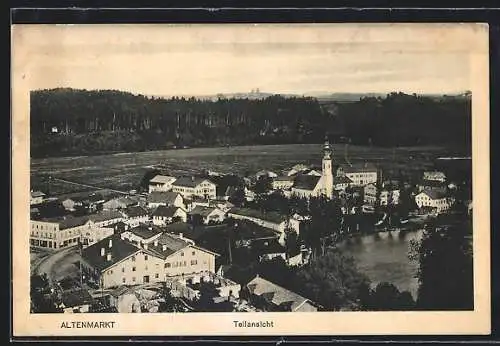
52,263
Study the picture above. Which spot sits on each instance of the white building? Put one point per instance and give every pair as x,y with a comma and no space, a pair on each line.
164,215
37,197
435,176
208,214
161,183
306,186
116,261
388,195
433,199
169,198
190,187
58,233
283,182
360,175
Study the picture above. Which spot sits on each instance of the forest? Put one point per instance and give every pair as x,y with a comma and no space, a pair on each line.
68,122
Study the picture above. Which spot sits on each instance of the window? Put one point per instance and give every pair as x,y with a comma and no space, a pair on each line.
133,269
194,262
182,253
123,280
157,276
123,269
133,279
167,265
145,257
133,258
146,268
193,253
185,264
111,271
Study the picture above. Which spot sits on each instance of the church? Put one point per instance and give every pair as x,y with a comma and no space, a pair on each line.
306,186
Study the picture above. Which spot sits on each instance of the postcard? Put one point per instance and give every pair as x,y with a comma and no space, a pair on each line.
270,179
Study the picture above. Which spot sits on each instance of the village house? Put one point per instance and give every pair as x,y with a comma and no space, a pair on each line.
162,198
268,296
90,202
389,195
435,200
118,203
207,215
283,182
62,232
434,176
434,185
271,220
136,215
142,233
37,197
161,183
91,235
106,218
190,187
187,286
164,215
117,261
341,183
266,174
360,174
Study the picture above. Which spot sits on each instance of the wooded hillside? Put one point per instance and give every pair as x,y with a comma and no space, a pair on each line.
76,122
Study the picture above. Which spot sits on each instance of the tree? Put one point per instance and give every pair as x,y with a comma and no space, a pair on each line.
238,197
150,174
263,185
291,242
445,272
386,297
333,281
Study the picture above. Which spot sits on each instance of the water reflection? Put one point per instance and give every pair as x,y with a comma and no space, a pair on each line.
383,256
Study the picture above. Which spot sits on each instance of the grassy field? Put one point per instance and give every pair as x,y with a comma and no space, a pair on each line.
124,171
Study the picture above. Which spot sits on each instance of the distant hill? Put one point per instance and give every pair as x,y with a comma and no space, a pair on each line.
82,122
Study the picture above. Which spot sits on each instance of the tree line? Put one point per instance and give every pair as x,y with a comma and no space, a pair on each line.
73,122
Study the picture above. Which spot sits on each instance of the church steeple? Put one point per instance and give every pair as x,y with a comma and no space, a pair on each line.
327,150
327,174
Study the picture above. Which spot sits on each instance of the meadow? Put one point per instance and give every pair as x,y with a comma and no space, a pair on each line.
124,171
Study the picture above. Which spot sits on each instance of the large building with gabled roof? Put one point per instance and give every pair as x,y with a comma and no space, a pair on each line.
117,260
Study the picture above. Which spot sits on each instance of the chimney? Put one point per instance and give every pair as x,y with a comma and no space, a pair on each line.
110,243
108,257
103,251
164,247
181,235
192,178
145,246
156,242
150,228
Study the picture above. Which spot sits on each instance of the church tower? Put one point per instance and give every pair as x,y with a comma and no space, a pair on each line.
327,174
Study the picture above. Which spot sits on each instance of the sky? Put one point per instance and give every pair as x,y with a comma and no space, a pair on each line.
168,60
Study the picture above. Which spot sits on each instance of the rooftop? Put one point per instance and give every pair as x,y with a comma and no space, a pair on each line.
37,194
136,211
68,221
167,197
434,194
105,215
145,231
172,244
189,181
119,250
306,182
342,180
270,216
201,210
162,179
275,294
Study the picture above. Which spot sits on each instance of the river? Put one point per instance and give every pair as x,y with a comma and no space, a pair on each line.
384,257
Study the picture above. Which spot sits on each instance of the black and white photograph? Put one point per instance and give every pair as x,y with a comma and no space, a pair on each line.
251,168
